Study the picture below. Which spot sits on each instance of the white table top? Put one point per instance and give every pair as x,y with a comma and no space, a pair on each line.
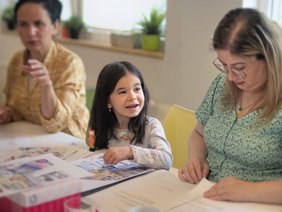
25,134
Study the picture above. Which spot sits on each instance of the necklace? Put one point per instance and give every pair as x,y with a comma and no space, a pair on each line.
242,111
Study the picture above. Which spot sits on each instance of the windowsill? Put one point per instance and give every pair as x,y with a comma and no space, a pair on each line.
141,52
87,43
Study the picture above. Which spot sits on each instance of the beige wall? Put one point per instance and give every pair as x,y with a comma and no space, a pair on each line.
183,76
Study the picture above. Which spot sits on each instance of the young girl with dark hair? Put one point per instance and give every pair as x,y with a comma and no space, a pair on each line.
119,119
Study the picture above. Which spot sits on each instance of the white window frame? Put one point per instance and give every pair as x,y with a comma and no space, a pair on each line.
271,8
77,9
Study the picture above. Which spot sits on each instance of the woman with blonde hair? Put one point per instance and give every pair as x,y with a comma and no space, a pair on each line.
238,139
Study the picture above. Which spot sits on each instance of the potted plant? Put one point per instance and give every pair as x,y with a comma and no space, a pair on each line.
152,29
8,17
74,24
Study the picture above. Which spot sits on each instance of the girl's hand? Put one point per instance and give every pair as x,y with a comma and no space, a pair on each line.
116,154
231,189
38,72
194,170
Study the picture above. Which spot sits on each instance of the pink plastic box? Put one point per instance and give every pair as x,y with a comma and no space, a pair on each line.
43,199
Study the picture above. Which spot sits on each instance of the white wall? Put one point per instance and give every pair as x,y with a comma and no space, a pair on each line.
185,73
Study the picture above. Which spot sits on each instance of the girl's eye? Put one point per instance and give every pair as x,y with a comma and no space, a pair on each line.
121,92
138,89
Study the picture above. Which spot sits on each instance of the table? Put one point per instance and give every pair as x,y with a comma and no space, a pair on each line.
25,134
165,184
34,139
21,133
162,189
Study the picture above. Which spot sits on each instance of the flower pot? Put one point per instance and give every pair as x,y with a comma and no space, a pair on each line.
10,25
150,42
74,33
64,31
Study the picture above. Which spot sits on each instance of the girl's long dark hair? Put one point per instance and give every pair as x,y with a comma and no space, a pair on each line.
103,121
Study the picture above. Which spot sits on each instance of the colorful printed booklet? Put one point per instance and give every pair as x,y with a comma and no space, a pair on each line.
30,171
105,174
38,171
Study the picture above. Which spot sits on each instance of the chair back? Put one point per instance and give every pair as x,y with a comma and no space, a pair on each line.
89,97
178,124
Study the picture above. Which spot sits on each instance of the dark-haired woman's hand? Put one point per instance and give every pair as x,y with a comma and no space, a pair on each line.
38,72
5,115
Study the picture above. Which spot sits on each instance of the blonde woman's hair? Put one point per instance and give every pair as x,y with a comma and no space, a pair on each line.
247,33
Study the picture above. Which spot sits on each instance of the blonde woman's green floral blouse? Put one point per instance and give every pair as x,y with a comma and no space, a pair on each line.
244,148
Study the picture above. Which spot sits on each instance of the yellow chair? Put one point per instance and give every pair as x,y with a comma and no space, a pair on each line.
178,124
89,97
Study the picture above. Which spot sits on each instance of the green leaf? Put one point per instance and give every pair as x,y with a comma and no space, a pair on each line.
8,14
74,22
153,24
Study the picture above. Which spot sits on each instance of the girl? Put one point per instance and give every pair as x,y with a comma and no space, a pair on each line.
119,119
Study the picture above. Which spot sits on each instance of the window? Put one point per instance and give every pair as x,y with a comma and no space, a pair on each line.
104,18
111,14
66,13
271,8
118,14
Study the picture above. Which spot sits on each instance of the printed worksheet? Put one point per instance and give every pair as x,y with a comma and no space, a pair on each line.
68,153
31,172
105,174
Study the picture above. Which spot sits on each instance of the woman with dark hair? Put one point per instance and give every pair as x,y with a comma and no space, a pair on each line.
238,139
46,82
119,119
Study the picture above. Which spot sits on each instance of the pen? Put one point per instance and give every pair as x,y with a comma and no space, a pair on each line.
71,154
91,141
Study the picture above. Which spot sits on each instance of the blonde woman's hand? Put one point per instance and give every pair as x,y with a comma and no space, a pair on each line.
116,154
196,169
38,72
231,189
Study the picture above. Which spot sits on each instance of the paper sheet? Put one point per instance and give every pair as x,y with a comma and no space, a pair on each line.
24,134
163,190
104,174
194,201
68,153
153,189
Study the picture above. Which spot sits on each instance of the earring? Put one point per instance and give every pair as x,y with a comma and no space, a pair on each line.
109,108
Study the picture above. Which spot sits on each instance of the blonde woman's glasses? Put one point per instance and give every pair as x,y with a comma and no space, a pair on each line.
240,72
